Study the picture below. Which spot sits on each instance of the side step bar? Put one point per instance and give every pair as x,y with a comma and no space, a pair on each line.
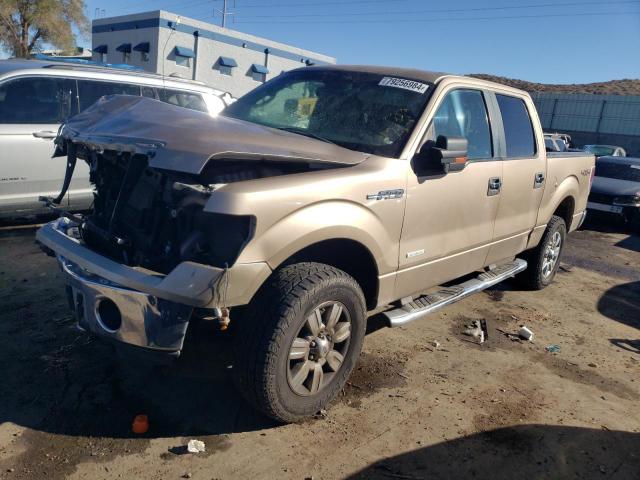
435,301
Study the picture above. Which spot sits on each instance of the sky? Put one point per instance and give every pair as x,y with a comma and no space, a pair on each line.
550,41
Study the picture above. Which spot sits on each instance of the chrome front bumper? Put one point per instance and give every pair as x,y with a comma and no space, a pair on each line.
122,314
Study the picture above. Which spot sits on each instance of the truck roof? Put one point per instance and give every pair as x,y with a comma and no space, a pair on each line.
411,73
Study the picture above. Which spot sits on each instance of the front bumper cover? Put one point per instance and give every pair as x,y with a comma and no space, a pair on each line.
141,320
146,309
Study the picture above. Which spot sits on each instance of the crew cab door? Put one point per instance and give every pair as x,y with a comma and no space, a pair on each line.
524,173
448,224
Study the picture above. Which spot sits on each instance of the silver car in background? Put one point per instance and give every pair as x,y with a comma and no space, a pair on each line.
36,97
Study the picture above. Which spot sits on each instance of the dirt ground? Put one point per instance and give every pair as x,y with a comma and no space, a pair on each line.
503,410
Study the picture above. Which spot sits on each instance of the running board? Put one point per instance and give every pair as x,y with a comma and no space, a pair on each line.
435,301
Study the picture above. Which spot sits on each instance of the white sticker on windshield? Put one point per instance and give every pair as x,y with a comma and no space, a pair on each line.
404,83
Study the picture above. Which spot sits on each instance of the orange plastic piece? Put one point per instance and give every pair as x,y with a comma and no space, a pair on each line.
140,424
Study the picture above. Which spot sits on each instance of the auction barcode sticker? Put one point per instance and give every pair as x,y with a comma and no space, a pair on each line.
404,83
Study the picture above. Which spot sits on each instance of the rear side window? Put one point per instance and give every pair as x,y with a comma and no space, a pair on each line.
90,91
463,113
35,100
190,100
518,129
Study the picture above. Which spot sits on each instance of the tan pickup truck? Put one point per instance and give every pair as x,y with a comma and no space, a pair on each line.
326,193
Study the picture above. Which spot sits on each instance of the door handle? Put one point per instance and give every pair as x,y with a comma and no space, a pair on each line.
538,180
495,184
45,134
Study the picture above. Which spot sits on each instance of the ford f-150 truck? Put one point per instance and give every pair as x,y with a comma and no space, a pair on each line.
324,194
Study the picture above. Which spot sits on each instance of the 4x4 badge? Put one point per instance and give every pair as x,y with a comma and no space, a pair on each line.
386,194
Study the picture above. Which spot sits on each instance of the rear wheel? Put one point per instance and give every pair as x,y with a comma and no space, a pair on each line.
299,340
632,217
544,260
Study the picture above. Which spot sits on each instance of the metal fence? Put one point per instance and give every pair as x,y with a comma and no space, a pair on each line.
615,114
612,119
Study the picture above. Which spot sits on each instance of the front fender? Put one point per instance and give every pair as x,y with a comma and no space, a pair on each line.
325,220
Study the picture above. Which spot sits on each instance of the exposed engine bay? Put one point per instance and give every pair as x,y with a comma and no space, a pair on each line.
154,167
154,219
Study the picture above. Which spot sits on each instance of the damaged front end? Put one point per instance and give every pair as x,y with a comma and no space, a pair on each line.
149,253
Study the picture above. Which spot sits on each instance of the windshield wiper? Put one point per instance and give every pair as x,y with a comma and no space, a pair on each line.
306,133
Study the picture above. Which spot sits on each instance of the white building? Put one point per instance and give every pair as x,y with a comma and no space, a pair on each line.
166,43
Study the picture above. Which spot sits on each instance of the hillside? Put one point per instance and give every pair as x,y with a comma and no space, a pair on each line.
613,87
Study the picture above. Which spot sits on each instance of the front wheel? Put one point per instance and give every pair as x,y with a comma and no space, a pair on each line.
299,340
544,260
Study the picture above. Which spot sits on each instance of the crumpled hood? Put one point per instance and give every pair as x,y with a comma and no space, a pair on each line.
183,140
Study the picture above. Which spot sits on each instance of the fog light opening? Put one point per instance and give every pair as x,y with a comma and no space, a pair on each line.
108,315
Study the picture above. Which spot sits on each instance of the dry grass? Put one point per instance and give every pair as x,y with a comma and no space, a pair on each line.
612,87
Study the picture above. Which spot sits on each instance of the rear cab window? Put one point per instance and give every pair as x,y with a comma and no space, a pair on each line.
518,130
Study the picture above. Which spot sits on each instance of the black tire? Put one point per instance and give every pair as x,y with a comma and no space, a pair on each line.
632,217
538,274
276,317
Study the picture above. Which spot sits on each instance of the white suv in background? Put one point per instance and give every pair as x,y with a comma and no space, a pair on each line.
37,96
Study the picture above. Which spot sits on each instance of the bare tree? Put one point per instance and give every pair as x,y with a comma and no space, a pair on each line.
25,25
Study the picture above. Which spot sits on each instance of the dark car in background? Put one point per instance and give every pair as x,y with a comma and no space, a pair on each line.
605,150
616,188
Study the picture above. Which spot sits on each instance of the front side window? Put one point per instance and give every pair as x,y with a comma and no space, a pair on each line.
518,130
35,100
89,91
361,111
463,113
190,100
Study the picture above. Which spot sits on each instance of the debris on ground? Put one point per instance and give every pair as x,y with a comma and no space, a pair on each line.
525,333
435,344
478,330
514,337
593,365
321,415
140,424
195,446
552,348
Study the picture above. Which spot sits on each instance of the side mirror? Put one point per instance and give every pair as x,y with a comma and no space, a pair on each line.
447,154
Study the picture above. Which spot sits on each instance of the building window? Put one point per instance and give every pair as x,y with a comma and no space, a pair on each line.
143,48
101,51
125,49
226,65
183,61
183,56
258,72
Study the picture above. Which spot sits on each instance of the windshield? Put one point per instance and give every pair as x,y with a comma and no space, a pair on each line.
599,150
361,111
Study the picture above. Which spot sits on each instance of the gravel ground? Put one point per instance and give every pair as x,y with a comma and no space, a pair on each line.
506,409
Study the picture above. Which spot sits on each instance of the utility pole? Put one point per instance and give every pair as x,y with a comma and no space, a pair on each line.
224,12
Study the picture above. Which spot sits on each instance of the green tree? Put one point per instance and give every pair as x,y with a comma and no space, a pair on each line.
25,25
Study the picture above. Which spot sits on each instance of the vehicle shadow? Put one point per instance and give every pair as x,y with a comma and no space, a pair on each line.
519,452
632,346
622,304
